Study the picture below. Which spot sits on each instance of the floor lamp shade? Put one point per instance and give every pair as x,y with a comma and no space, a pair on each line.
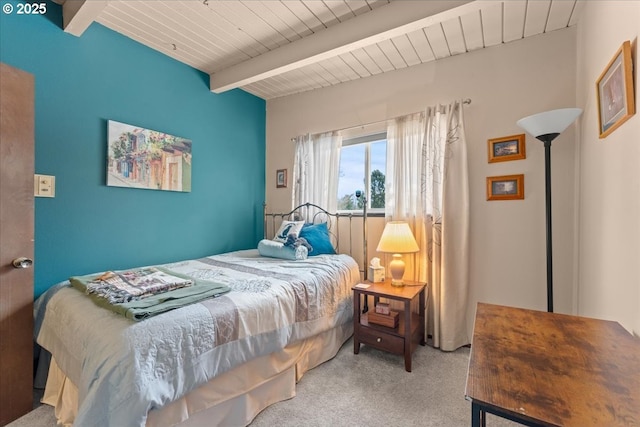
550,122
546,127
397,239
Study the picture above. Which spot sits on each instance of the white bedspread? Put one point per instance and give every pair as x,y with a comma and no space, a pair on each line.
124,368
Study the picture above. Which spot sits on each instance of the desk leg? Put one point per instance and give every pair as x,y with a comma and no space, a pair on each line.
478,416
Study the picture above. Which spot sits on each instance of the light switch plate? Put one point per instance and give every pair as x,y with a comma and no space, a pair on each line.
44,185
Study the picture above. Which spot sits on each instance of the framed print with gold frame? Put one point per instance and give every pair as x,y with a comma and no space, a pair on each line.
615,91
507,148
506,187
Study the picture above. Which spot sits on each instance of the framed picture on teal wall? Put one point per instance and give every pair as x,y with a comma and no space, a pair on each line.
144,158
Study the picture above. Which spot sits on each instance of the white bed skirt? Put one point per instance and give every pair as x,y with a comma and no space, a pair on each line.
231,399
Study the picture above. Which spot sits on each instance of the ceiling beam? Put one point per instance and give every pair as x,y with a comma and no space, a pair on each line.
383,23
77,15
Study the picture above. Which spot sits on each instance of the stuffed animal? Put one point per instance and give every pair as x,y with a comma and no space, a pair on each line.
294,241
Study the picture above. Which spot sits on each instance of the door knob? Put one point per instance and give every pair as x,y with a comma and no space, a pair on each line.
22,262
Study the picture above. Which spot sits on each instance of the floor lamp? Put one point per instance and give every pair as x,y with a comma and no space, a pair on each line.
546,127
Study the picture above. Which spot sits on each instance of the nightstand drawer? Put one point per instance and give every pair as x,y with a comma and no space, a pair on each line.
381,340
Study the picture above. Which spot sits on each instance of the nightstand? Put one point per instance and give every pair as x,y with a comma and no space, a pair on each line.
402,339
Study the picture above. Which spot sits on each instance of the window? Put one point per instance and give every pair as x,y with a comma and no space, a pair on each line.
363,162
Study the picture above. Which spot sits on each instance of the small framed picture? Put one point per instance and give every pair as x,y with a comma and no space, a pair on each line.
615,91
507,148
506,187
281,178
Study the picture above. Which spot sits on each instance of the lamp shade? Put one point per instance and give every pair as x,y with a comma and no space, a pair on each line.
549,122
397,238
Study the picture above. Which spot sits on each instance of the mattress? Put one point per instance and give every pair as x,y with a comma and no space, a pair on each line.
123,369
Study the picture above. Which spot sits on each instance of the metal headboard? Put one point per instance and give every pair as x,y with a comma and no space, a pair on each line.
310,212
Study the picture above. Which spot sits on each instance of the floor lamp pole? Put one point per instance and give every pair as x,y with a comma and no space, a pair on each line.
547,172
546,127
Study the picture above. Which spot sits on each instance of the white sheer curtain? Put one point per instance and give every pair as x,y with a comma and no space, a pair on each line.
302,169
316,170
428,186
404,192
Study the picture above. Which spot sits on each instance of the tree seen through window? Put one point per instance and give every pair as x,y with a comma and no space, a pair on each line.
362,166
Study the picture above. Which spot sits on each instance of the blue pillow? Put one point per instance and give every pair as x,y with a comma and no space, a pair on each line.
318,237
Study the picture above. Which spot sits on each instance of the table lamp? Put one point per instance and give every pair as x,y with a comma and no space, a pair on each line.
397,239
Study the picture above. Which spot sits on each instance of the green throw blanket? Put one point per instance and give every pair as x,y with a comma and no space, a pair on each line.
155,304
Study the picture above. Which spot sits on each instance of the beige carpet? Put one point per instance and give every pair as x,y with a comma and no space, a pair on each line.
373,389
368,389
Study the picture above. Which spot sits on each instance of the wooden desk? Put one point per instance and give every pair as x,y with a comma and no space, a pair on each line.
548,369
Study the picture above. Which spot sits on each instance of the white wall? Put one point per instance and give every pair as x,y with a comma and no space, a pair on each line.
505,83
609,256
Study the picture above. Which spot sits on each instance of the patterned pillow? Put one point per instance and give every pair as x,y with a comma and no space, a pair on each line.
286,228
318,237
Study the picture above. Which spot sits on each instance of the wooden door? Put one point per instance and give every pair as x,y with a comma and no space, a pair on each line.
16,241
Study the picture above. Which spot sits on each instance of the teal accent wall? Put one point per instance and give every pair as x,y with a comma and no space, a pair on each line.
81,83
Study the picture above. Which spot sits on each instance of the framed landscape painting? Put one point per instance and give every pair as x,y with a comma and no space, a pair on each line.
506,187
507,148
143,158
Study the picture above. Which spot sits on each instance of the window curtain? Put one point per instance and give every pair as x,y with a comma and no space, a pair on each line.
405,198
316,170
428,187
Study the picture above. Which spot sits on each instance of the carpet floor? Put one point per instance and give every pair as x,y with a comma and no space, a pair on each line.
373,389
368,389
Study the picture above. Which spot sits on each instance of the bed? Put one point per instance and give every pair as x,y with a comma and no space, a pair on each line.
216,362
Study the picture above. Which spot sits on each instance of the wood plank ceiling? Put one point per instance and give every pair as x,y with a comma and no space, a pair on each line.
300,45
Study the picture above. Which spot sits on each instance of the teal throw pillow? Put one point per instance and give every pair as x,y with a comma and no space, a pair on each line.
318,237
